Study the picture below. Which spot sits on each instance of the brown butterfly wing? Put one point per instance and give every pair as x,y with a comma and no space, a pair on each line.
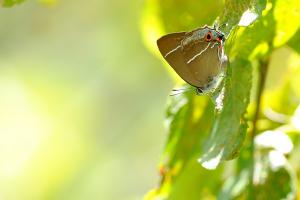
203,60
171,48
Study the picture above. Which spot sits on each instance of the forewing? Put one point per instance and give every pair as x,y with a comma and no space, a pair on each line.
171,49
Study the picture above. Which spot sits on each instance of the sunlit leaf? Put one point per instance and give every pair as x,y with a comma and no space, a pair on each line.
234,11
273,178
274,139
248,18
283,95
287,17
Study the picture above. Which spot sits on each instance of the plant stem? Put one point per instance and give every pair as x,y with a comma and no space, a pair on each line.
262,74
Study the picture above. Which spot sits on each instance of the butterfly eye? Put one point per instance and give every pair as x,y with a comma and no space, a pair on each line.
208,37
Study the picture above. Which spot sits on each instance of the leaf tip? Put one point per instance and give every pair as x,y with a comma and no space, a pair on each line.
211,163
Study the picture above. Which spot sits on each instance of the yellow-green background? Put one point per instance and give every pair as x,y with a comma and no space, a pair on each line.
82,102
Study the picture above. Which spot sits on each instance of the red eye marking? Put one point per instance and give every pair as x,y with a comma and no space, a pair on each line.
208,37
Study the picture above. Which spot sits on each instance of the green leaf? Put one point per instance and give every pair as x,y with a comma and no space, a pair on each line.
189,119
229,127
234,10
9,3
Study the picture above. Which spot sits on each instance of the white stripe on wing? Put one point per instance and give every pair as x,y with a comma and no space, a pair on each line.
198,54
172,50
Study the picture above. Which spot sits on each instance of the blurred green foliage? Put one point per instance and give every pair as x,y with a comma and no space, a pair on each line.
257,122
9,3
80,113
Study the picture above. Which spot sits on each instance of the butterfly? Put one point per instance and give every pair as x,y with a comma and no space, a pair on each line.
197,56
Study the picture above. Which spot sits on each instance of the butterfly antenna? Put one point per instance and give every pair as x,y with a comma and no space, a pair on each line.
180,91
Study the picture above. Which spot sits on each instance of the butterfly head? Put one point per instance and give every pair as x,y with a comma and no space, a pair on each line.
212,35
